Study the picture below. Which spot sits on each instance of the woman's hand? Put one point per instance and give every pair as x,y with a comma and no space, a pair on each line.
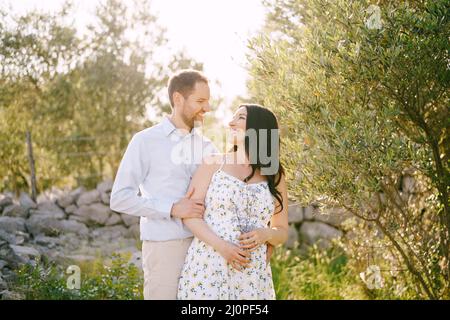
255,238
237,257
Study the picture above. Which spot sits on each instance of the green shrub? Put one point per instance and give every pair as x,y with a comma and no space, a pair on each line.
42,282
120,280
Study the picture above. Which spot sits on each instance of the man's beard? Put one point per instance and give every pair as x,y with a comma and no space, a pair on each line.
187,120
191,121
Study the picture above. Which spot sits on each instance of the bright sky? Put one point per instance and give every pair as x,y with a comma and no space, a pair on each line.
214,32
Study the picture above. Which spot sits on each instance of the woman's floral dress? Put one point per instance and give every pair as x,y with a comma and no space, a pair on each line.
232,207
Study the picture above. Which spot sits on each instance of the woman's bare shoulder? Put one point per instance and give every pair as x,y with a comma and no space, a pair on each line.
213,161
209,165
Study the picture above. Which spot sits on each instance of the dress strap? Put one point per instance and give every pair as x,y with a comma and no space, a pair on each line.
223,161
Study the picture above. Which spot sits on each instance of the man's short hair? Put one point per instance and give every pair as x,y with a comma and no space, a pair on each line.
184,82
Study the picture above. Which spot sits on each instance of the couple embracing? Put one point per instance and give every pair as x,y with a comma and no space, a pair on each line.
209,222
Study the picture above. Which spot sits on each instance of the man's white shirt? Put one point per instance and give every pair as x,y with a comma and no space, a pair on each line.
159,162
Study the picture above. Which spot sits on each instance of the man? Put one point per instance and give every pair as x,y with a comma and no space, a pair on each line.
156,165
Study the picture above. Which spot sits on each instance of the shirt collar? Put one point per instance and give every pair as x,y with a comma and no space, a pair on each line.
169,127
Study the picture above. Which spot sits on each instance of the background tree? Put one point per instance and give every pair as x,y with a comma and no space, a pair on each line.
35,50
82,94
362,91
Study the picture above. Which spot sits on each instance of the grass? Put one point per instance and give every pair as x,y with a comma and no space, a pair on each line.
327,275
314,275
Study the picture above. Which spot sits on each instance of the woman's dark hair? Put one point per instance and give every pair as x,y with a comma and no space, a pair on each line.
260,118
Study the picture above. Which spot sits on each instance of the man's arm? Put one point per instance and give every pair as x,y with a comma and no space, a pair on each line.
131,173
197,190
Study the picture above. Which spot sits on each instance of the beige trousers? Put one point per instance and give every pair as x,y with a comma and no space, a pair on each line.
162,262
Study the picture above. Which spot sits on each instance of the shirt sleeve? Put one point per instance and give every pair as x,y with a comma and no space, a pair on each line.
132,171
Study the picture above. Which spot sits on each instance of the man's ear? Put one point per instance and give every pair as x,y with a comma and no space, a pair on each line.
178,99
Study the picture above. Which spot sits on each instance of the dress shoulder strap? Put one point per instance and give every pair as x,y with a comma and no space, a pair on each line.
223,161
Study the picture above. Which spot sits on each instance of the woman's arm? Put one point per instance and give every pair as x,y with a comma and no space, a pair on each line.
198,187
277,233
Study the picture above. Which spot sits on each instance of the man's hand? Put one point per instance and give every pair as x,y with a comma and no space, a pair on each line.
188,208
269,252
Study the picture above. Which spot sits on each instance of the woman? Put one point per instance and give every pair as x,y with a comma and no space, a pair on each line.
227,258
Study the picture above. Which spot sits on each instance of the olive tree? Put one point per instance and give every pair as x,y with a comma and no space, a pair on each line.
362,93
